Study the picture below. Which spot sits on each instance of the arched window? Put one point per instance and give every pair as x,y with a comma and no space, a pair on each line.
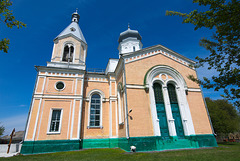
175,110
68,53
161,112
95,111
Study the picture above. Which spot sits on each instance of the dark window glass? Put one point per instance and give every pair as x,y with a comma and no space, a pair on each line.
172,93
55,122
95,110
158,93
60,85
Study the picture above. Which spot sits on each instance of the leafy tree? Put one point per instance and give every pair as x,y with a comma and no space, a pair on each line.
6,16
2,130
222,17
224,116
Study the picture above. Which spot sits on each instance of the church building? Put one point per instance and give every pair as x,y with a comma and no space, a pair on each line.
143,100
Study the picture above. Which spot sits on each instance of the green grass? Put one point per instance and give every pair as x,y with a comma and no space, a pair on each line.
224,152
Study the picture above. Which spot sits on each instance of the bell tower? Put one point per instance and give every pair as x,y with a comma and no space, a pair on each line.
70,47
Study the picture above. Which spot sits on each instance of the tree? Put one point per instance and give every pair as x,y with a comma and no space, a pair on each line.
2,130
6,16
222,17
224,116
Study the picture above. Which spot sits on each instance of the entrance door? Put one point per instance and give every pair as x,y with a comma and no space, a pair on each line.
161,112
175,111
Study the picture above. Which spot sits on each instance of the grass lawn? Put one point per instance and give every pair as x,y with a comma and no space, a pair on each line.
228,151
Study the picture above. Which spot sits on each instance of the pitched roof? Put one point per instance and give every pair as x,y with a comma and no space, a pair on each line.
72,30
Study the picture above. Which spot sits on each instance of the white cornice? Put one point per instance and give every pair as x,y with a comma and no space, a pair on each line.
158,49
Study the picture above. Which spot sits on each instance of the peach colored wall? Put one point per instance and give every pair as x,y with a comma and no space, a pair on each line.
51,82
135,71
103,86
121,128
45,118
82,53
89,133
199,114
113,89
40,84
79,87
141,124
76,117
114,118
33,118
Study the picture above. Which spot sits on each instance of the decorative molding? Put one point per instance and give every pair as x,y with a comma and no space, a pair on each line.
140,55
135,86
194,89
58,96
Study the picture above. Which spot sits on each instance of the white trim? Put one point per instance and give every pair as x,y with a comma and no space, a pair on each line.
80,111
36,122
39,127
62,75
101,94
37,83
29,119
181,86
49,121
110,118
69,119
58,96
76,86
90,93
43,86
194,89
135,86
79,119
73,112
135,56
116,117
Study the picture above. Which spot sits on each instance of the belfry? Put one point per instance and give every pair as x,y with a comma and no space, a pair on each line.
143,99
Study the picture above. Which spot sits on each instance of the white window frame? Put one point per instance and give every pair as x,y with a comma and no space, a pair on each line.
60,82
50,120
89,107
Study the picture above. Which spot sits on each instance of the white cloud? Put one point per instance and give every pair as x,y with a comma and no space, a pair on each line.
18,122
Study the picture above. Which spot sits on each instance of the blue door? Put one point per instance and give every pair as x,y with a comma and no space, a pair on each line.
161,112
175,111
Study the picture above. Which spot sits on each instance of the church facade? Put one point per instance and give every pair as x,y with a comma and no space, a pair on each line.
143,99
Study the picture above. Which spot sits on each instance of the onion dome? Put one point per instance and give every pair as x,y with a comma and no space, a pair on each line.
129,33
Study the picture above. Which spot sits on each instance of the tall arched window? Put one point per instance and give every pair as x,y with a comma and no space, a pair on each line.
161,112
95,110
68,53
175,110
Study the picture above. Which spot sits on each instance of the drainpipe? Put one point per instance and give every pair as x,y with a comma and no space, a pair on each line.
125,89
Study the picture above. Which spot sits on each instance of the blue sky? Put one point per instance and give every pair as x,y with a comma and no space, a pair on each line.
101,23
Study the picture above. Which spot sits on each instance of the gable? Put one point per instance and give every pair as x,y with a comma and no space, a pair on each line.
137,68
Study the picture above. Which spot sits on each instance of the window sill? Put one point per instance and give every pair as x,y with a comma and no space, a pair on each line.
95,127
53,133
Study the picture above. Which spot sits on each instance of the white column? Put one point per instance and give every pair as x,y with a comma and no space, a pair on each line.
171,124
155,119
182,110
